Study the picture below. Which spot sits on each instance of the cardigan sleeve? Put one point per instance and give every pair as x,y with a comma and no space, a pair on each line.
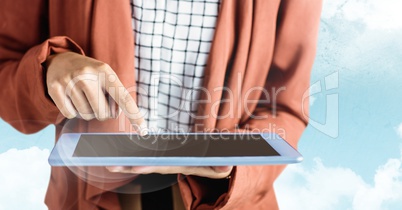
24,46
251,187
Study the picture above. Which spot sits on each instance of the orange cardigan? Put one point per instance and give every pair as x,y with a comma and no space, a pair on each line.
257,44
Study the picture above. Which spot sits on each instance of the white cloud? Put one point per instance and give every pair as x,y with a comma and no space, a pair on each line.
399,130
339,188
24,178
387,188
384,14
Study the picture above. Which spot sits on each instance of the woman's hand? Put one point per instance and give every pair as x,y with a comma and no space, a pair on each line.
213,172
79,87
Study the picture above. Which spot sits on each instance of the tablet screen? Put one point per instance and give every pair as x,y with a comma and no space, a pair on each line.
173,145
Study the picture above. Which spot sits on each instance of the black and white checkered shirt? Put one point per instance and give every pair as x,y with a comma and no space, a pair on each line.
172,43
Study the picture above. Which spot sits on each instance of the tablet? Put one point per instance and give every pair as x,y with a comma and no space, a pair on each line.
172,149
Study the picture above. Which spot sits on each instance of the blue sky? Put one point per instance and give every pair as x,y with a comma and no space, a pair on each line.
360,44
353,161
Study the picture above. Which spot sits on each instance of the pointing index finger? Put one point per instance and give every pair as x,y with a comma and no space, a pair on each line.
126,102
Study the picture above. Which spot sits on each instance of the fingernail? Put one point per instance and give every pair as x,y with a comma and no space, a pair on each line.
143,129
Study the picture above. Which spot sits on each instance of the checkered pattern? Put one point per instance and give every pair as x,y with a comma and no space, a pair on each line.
172,43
